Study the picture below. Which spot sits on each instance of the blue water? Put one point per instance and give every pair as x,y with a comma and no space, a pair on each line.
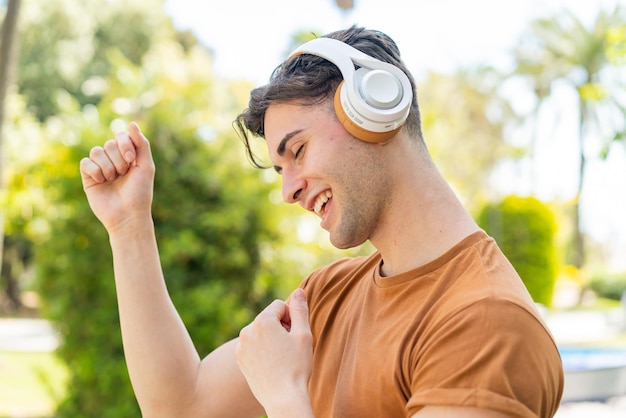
592,358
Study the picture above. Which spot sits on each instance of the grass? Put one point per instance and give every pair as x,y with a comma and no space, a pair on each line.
31,384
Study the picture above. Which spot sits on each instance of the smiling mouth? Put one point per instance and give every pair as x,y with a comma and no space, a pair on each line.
320,202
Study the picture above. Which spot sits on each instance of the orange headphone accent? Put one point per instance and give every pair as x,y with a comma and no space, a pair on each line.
356,129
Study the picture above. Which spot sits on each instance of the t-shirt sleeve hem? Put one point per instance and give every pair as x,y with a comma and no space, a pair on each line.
478,398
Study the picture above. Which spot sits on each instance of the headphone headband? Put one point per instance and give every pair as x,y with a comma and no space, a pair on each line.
374,99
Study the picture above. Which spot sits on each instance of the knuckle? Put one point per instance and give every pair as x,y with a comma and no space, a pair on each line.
110,145
244,335
261,322
96,152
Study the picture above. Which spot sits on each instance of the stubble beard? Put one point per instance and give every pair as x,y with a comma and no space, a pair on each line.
362,204
351,231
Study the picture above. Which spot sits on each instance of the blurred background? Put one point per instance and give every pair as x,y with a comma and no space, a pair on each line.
523,108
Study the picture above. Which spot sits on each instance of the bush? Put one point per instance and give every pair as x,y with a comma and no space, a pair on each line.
524,228
211,210
610,286
209,231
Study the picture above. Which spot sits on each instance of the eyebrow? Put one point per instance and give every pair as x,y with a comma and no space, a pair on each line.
283,142
282,146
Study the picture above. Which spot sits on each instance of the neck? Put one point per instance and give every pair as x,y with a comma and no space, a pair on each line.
423,221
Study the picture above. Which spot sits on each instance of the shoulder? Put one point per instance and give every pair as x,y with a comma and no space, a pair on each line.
481,272
340,273
498,348
495,317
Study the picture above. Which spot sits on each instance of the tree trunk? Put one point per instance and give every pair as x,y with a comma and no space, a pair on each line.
8,46
578,258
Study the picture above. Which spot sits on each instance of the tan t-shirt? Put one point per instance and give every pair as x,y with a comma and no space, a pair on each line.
461,330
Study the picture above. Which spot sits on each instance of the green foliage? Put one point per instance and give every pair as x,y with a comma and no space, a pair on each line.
211,209
525,230
64,45
209,220
464,114
208,227
610,286
565,50
226,241
75,280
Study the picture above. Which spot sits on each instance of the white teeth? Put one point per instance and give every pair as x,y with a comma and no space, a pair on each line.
321,200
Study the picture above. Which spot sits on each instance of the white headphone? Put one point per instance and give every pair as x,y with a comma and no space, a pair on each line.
372,102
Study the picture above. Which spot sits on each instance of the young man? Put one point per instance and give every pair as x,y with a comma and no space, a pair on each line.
435,323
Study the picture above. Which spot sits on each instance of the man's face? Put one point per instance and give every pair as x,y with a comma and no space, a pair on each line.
327,171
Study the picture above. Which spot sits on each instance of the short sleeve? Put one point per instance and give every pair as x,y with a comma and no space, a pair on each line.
493,354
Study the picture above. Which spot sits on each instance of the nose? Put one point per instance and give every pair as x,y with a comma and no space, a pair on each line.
293,186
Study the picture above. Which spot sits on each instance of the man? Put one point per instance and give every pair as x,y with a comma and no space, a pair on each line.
436,323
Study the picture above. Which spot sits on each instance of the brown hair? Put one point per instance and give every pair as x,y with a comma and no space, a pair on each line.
311,80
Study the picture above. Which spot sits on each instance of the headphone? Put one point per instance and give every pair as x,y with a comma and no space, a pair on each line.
372,102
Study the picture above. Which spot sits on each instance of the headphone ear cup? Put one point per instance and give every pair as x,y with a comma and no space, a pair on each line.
378,88
344,115
374,101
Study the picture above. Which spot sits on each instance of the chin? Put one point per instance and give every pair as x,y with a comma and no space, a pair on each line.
344,244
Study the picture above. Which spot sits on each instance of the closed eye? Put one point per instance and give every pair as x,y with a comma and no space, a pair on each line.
296,156
299,151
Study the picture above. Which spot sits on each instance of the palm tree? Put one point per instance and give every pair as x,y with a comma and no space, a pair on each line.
7,48
563,49
7,54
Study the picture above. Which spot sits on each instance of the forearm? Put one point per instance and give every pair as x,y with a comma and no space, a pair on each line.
160,355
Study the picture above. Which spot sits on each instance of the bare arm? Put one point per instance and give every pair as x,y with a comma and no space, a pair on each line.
167,374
